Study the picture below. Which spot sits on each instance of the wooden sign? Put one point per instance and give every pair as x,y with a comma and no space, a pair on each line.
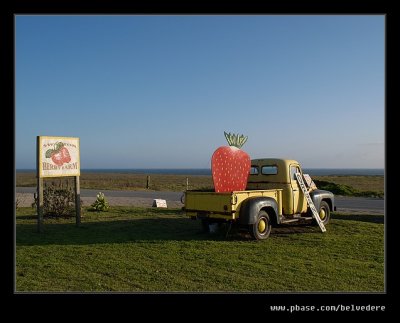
159,203
58,156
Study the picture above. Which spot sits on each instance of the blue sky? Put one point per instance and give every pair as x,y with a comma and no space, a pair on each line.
144,91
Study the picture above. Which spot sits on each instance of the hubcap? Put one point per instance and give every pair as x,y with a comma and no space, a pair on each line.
322,214
262,225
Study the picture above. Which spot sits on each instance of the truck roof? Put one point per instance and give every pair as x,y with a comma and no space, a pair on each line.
280,162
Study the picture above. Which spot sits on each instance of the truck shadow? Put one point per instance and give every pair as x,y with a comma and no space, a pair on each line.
134,231
293,228
157,229
113,231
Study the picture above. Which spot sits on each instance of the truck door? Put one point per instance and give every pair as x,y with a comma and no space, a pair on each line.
299,201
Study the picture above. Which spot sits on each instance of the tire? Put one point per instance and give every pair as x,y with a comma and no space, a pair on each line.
261,229
324,213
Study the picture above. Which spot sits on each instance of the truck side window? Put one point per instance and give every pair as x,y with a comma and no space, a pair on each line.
254,170
293,170
269,170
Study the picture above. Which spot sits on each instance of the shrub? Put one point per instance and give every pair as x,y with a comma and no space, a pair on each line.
338,189
57,202
101,204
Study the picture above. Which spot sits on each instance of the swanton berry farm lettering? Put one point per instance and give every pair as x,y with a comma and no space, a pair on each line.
48,166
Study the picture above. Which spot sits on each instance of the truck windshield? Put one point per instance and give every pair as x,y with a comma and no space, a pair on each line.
293,171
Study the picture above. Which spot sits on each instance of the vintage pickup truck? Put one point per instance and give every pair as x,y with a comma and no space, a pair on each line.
273,196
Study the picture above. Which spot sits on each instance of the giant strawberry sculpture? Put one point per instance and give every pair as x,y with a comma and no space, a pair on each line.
230,165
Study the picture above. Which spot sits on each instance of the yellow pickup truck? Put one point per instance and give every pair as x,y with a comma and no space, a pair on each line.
273,196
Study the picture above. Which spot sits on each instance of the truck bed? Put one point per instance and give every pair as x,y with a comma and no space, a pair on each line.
224,205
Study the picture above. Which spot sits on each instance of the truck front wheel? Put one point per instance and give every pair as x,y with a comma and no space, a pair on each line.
261,229
324,213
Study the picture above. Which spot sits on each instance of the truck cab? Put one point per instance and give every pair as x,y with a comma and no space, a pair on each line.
272,173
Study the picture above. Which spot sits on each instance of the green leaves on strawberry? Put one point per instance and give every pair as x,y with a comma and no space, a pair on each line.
59,155
230,165
49,152
58,145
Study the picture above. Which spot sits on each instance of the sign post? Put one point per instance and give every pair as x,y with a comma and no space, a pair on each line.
57,157
39,195
77,201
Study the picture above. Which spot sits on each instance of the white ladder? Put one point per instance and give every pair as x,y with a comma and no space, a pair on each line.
310,202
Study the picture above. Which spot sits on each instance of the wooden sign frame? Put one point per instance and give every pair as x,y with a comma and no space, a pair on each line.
57,157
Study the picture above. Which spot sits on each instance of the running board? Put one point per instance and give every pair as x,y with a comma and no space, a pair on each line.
297,219
310,202
290,220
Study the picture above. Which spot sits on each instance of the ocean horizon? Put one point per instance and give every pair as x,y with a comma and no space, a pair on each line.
207,171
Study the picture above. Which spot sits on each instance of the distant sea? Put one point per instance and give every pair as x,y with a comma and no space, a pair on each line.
207,171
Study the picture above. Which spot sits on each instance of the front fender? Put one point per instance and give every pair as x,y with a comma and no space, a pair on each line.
252,206
319,195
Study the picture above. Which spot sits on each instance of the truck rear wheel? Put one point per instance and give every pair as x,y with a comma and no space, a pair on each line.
261,229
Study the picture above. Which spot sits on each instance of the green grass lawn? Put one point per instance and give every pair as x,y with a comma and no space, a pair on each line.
147,249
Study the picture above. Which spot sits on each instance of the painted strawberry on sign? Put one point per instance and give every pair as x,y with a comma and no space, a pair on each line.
230,165
59,155
66,157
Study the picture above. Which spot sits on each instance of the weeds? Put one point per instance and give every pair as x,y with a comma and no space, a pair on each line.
101,204
58,201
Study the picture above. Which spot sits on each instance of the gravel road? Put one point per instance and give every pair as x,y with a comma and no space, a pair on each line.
145,198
